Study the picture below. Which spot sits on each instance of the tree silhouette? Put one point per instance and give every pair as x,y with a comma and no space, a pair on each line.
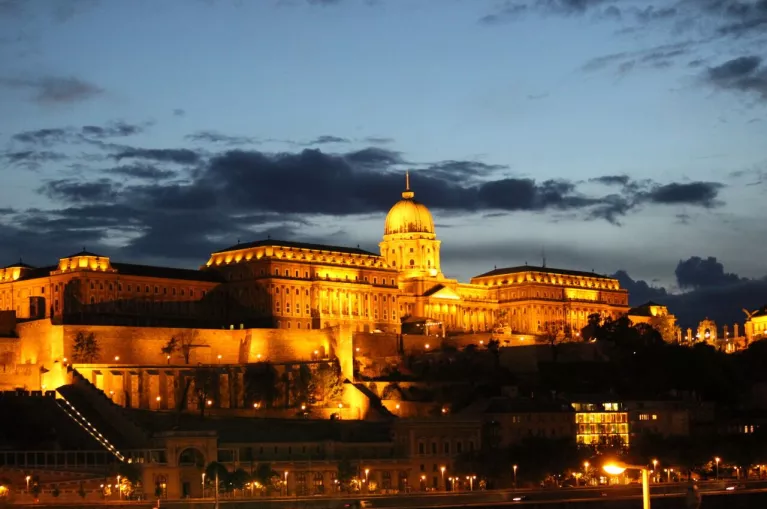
86,348
261,384
171,347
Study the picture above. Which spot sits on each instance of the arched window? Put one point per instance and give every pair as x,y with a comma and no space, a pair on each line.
412,263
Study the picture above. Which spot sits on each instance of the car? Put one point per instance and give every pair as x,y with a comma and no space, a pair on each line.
519,498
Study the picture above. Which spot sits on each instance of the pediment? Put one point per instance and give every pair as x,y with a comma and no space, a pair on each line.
442,292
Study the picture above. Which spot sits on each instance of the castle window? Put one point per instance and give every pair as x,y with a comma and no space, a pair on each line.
173,291
287,273
307,293
307,309
93,287
306,274
165,291
42,289
146,289
392,283
287,307
375,280
277,290
101,286
299,325
203,292
93,300
412,263
277,306
411,249
394,263
276,272
119,287
297,274
129,287
138,288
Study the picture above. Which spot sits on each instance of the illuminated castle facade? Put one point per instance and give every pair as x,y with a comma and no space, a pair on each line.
295,285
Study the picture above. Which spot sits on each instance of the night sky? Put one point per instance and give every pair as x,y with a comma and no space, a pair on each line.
616,136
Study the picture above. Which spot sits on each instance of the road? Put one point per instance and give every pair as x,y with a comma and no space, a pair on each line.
663,495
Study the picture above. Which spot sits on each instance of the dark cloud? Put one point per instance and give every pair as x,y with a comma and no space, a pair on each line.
61,135
721,297
178,112
58,11
378,140
327,138
224,139
656,57
612,180
696,272
73,191
743,74
143,171
507,11
640,291
54,90
32,159
703,194
165,155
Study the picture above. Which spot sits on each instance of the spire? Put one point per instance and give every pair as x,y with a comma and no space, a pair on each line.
407,194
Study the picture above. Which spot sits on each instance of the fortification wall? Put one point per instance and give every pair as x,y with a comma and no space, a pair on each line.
42,342
376,346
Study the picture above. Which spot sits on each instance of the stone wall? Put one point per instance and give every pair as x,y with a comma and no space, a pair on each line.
376,346
42,342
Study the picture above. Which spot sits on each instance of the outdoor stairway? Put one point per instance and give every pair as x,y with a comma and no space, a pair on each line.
85,424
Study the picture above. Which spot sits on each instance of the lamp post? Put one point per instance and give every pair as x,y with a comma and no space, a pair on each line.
286,483
717,460
367,479
617,468
442,469
28,478
586,466
515,476
655,469
203,485
119,490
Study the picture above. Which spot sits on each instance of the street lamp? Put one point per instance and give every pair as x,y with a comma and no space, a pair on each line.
28,478
442,469
286,483
655,469
203,485
717,460
119,491
515,476
367,480
617,468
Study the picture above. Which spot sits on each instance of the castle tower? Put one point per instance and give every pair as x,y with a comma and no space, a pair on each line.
409,243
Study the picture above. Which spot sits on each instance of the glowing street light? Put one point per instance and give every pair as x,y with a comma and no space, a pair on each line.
617,468
28,478
717,460
515,475
286,483
119,490
203,485
442,469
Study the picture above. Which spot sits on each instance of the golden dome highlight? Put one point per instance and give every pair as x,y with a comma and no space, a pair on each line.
408,215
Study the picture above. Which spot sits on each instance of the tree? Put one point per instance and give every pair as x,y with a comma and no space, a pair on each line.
327,382
56,492
238,479
261,384
217,472
301,384
268,478
81,491
666,327
86,348
346,474
205,383
171,347
188,340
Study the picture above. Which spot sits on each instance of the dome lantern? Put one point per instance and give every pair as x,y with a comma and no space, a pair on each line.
408,215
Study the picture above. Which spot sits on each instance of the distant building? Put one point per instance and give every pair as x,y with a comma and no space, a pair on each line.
601,423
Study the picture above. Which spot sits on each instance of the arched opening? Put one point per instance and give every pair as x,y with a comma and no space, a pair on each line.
191,457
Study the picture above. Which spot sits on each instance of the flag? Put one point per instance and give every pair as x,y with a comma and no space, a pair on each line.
43,370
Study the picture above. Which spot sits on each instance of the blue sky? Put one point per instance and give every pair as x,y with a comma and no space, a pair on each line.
614,135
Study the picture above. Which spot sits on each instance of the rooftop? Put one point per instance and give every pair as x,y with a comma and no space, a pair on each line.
130,269
546,270
298,245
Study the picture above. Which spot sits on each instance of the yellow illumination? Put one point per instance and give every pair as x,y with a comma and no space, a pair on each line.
614,468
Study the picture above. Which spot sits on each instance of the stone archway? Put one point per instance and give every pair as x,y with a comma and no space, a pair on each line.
191,466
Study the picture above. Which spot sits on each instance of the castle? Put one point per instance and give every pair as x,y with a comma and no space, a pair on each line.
295,285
